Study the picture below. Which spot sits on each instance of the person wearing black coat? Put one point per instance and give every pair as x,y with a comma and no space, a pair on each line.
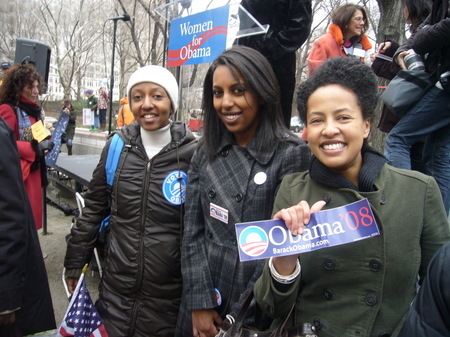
430,116
384,66
140,290
388,119
430,312
289,27
25,299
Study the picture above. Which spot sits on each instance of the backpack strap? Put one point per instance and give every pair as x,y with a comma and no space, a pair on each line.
112,160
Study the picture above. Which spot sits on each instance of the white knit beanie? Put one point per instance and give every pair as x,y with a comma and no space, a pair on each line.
158,75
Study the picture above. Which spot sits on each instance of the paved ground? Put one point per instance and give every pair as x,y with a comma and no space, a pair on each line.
54,245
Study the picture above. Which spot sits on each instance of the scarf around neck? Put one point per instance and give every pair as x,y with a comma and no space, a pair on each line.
373,162
31,108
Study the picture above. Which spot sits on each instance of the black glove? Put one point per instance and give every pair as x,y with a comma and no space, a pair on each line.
42,147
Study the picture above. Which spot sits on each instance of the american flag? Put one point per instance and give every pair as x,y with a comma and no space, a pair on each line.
82,318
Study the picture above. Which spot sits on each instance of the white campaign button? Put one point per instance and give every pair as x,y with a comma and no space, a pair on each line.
260,178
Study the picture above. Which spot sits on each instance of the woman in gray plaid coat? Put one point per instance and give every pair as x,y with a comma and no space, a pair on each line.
238,165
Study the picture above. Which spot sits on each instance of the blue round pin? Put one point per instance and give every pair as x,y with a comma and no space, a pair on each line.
218,296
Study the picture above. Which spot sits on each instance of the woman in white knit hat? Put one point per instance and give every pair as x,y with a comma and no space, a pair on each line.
141,285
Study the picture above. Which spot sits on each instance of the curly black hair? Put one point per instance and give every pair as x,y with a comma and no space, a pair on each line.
16,79
348,72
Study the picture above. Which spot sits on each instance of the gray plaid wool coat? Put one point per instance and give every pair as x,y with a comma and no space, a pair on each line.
210,261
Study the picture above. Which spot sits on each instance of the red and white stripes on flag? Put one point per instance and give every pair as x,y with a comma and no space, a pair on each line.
81,318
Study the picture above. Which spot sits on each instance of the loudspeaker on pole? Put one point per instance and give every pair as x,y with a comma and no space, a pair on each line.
35,52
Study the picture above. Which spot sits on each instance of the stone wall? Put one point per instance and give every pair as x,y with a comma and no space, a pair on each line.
53,108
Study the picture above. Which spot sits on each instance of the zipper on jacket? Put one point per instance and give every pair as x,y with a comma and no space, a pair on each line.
141,257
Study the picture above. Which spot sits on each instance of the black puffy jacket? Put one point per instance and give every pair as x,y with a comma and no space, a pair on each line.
141,286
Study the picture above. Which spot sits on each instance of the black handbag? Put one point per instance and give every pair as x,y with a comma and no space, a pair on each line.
405,90
236,328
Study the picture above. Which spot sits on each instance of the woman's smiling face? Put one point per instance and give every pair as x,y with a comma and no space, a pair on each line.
151,105
236,105
355,27
336,129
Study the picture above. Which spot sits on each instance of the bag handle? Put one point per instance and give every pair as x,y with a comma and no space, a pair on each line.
413,79
236,326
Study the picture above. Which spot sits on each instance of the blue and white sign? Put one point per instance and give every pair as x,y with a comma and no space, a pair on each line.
60,128
198,38
174,187
327,228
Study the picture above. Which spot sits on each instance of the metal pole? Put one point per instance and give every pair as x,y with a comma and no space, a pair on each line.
44,207
111,81
166,24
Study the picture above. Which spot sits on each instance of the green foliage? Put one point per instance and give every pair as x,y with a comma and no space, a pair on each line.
78,106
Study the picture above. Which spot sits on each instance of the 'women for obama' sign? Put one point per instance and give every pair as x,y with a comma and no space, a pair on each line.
198,38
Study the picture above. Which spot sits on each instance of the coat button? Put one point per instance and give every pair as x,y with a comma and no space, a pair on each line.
209,235
384,334
326,197
211,193
383,199
327,294
317,323
224,153
375,265
238,197
371,300
329,264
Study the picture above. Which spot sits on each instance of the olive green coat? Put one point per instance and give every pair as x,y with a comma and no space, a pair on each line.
363,288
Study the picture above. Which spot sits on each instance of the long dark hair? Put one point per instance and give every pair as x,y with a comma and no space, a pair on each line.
15,80
259,79
418,11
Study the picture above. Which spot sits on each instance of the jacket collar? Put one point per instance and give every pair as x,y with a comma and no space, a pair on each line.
179,133
336,32
262,157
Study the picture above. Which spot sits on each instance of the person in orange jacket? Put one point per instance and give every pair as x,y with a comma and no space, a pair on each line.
124,116
345,37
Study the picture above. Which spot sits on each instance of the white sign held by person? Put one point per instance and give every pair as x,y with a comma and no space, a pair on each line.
88,116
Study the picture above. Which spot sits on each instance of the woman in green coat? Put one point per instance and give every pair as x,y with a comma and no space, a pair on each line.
363,288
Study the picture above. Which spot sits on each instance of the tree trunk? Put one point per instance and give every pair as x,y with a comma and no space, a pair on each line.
390,27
